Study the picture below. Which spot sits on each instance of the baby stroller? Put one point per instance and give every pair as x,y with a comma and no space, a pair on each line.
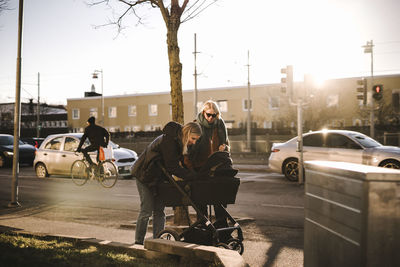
217,187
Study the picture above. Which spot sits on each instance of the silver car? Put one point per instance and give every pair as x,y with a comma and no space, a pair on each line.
57,153
333,145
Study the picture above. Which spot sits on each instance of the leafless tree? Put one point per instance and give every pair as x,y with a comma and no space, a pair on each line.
174,13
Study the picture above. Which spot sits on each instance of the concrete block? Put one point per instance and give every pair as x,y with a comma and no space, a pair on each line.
223,256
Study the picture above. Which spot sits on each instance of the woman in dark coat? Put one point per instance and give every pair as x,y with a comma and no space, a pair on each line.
213,139
169,149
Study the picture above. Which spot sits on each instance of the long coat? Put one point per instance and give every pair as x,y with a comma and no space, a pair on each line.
168,149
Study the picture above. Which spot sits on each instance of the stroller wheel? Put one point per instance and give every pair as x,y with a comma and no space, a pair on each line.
222,245
236,244
168,234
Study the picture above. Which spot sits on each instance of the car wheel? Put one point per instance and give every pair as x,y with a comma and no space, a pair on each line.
390,163
41,171
2,161
290,169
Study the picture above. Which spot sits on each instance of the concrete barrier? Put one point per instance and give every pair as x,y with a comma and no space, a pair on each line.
352,215
224,257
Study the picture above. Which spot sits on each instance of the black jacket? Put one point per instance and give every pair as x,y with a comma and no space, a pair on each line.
168,149
98,136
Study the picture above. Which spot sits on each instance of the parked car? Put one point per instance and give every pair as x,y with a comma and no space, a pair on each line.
333,145
26,151
34,141
57,153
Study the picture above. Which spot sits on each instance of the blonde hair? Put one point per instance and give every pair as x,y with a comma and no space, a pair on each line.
190,128
212,104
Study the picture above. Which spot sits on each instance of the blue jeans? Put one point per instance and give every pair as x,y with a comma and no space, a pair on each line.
149,205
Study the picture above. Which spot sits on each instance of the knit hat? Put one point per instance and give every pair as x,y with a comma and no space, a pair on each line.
91,120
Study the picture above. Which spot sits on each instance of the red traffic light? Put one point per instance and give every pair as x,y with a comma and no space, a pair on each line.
377,91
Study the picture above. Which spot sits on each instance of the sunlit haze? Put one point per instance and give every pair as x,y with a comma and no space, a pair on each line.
319,37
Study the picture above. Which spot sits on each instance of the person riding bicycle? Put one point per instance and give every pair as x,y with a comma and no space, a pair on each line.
98,136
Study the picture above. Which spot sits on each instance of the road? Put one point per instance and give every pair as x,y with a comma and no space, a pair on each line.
275,205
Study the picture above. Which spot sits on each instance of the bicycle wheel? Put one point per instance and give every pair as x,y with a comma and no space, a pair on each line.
79,173
108,174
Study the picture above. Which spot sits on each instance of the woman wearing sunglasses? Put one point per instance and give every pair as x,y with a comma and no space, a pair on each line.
213,139
215,135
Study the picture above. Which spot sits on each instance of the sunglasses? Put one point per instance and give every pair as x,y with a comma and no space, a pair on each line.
211,115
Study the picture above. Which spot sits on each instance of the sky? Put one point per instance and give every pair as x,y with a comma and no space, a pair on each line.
323,38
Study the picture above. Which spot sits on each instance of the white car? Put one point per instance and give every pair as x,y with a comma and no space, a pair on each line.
57,153
333,145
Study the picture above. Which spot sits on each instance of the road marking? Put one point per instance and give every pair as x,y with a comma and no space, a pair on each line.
10,175
282,206
125,195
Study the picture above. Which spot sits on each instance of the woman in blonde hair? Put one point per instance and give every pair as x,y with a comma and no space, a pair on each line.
214,137
169,149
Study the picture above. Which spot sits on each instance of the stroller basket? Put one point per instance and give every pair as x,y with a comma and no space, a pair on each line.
218,190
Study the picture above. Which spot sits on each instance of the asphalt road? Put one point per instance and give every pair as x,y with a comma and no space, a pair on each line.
273,235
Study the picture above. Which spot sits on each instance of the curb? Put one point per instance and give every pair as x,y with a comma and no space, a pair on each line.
154,248
132,226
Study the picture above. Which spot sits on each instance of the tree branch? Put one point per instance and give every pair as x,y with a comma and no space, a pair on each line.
197,10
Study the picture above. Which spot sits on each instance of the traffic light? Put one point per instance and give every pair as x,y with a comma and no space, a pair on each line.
377,91
287,82
362,88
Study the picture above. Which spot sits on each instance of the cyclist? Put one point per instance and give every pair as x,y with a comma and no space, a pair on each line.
98,136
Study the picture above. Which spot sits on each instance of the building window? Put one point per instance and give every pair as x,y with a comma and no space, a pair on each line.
199,106
223,105
112,112
132,110
245,106
152,127
267,124
113,129
136,128
357,122
153,110
332,101
274,102
396,100
229,125
75,114
93,112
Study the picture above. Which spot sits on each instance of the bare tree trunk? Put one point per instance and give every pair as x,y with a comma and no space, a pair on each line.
175,72
181,214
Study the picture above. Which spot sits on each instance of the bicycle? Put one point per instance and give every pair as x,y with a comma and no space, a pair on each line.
105,172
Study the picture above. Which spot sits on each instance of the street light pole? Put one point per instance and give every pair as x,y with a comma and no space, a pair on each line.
102,93
195,78
17,114
248,104
38,109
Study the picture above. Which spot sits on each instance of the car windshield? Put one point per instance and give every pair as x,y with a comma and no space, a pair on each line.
114,145
8,141
365,141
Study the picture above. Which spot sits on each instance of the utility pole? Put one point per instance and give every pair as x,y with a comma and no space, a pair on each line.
17,114
195,79
288,88
248,104
38,109
369,49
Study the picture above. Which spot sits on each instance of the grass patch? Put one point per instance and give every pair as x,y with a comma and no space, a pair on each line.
20,250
